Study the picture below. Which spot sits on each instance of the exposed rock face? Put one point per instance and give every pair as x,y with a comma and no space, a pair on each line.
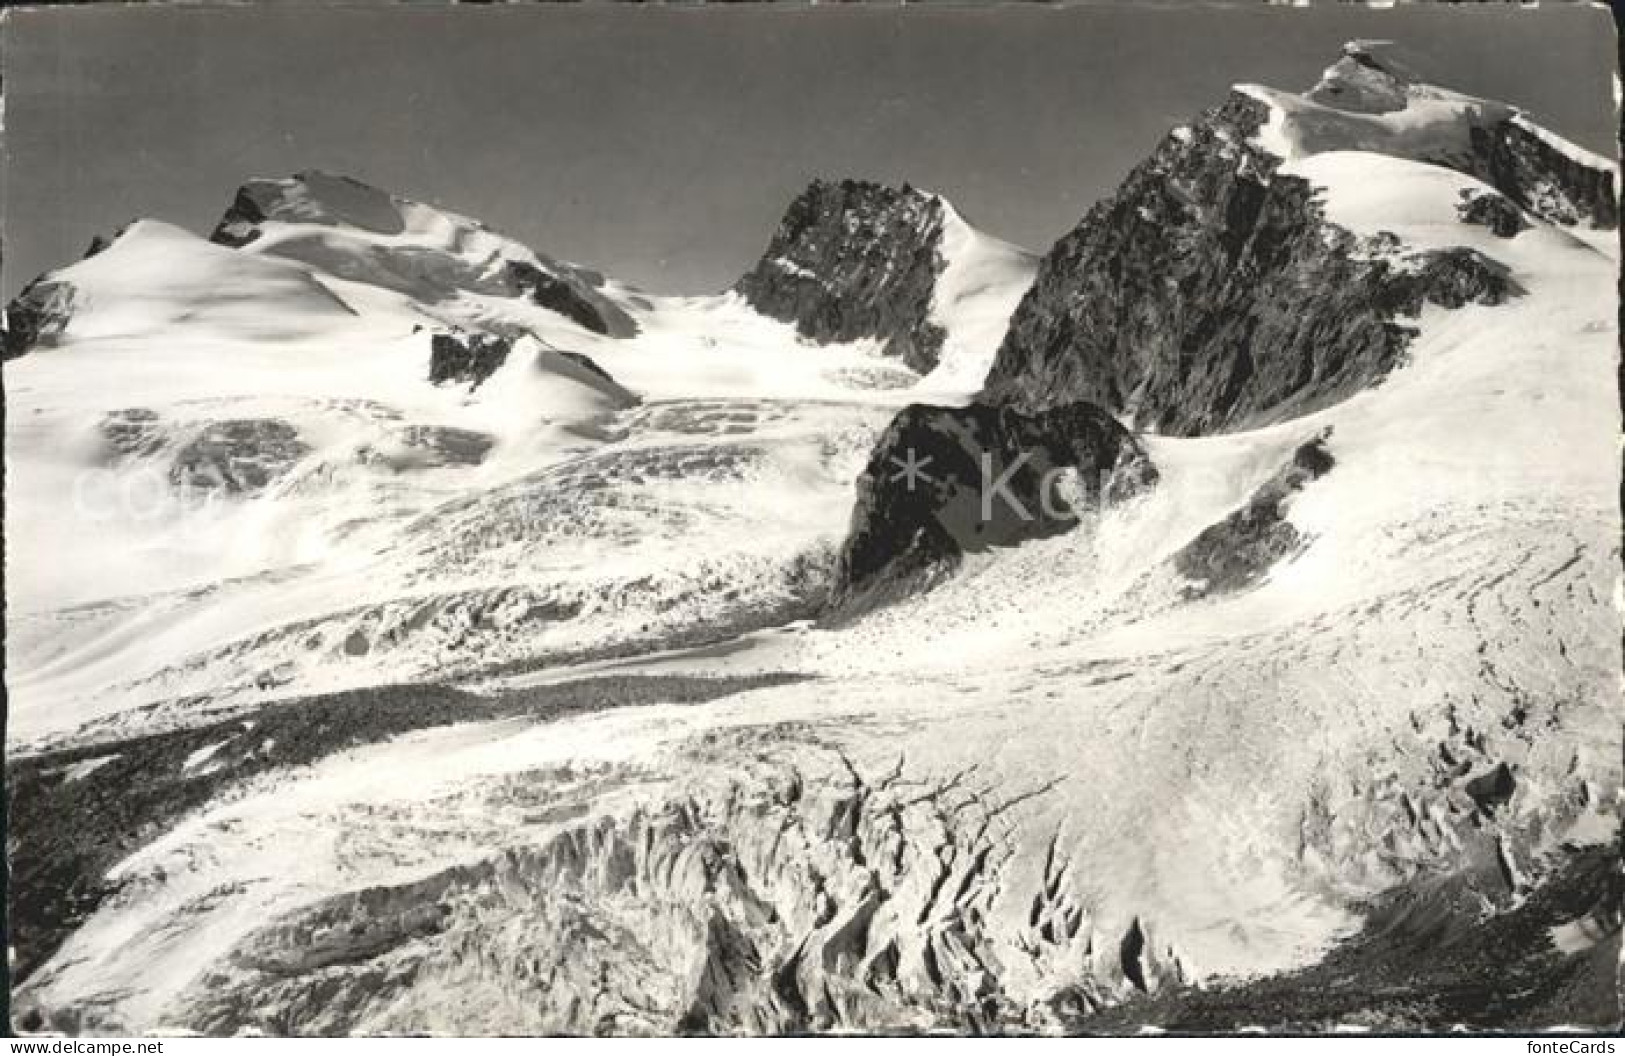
471,358
98,243
239,224
1210,294
466,358
1493,211
855,260
1526,166
240,456
1492,790
1452,278
550,291
37,316
471,260
982,477
1237,552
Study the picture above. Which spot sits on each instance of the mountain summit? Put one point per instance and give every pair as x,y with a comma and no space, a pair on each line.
1370,78
1249,270
855,260
362,234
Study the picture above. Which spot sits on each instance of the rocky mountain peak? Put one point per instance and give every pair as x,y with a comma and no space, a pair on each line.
855,259
1211,292
1368,78
867,210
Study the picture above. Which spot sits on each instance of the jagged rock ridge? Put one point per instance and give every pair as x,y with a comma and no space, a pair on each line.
1209,293
1525,164
854,259
1492,210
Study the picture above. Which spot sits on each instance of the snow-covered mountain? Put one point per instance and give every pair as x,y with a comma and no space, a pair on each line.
411,632
358,233
1242,274
464,433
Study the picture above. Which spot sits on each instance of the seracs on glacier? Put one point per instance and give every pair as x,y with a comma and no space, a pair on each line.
1067,778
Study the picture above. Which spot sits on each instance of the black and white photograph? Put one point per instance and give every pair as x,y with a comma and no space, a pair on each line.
802,519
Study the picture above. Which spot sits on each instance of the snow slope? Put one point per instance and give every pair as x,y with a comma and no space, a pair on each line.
981,282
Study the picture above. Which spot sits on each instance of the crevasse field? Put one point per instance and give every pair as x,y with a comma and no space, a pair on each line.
1058,783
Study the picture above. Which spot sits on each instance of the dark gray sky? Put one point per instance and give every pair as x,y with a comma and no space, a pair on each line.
661,144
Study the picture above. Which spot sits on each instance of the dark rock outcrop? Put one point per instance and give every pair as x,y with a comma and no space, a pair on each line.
37,316
1210,294
238,456
552,292
1531,170
1129,952
98,243
855,260
1492,790
945,481
466,358
1451,278
1491,210
1236,553
239,224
